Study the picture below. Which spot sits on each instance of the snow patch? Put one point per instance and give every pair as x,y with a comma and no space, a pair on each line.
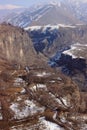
18,82
41,86
19,98
28,109
38,86
23,91
55,115
51,27
1,117
33,28
76,48
56,99
59,79
63,119
56,3
41,125
49,125
42,74
66,101
52,81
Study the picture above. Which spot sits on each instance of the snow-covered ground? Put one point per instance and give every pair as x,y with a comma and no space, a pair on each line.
41,125
19,81
1,117
51,27
42,74
23,91
77,50
64,100
49,125
28,108
38,86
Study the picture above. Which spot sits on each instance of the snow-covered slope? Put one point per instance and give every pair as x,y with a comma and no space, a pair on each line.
77,51
79,8
52,13
25,18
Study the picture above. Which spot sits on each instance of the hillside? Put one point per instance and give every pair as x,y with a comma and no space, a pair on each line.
33,95
42,99
43,66
45,14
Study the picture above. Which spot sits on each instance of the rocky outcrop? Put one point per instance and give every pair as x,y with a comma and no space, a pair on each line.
16,46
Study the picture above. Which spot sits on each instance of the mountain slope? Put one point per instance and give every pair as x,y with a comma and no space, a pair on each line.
43,15
58,14
79,8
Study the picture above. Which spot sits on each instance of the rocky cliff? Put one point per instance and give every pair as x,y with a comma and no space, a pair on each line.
16,46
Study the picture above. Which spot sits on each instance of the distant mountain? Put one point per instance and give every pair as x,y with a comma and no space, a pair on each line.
6,12
79,8
53,13
59,13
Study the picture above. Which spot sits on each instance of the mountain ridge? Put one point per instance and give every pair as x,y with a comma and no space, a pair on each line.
52,13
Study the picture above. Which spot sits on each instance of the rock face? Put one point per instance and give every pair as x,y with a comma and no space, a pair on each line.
16,46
